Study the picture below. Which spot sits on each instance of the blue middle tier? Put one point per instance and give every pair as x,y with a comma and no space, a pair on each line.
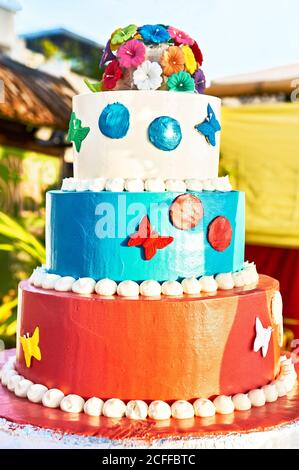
87,235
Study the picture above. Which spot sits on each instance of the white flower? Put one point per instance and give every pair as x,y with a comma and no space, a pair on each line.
148,76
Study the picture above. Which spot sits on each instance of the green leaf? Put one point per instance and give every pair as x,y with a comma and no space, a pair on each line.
94,87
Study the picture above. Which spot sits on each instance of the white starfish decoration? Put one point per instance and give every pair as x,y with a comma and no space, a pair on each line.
262,338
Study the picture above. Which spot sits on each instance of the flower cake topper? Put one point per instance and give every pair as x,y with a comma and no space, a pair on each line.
151,57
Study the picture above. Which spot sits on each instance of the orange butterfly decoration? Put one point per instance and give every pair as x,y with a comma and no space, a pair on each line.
150,240
31,347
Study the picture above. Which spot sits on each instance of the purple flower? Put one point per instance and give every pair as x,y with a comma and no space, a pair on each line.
200,81
107,55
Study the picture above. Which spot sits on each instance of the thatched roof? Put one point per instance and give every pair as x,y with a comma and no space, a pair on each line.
33,97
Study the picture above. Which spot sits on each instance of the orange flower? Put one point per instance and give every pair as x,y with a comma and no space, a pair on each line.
172,60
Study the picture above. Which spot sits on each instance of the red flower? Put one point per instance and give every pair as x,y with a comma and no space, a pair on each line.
112,74
150,240
197,53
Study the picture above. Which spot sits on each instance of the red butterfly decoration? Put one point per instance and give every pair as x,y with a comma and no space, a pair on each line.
150,240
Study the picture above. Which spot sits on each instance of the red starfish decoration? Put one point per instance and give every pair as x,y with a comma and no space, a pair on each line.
148,239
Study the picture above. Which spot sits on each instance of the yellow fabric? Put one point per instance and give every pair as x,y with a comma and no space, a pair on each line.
260,152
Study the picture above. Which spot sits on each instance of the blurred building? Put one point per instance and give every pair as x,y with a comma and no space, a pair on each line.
40,73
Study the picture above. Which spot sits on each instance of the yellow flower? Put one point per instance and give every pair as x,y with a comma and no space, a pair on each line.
190,62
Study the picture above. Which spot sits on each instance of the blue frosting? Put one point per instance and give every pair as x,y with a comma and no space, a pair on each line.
77,222
114,121
209,126
165,133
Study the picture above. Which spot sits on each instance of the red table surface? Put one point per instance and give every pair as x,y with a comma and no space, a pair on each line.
19,410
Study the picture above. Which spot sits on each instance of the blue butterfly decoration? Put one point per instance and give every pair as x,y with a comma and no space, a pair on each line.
209,127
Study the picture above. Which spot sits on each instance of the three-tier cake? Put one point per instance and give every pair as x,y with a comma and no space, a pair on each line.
145,306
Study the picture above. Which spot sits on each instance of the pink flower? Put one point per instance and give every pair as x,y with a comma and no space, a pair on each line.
180,37
131,54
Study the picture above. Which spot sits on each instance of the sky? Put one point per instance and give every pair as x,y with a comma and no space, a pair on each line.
236,36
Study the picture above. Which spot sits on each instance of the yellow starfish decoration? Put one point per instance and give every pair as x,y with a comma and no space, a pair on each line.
31,347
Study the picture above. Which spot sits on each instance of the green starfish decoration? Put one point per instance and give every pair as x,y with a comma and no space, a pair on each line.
77,133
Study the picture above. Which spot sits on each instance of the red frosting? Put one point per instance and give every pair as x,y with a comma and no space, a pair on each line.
166,349
220,233
150,241
20,410
186,212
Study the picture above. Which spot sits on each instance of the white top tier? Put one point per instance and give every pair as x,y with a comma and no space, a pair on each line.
134,155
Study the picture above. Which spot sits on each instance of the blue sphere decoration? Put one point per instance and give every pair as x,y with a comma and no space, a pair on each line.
165,133
114,121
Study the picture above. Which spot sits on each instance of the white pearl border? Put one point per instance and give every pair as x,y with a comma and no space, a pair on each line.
149,288
220,183
157,410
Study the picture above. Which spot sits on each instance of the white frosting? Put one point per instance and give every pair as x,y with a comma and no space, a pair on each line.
82,185
150,289
12,382
270,392
154,185
222,183
208,284
22,388
250,274
238,278
276,310
135,156
93,406
64,284
175,185
36,392
114,408
136,409
85,285
204,408
191,286
128,289
257,397
182,409
98,184
115,185
225,281
224,405
6,375
194,184
150,184
241,402
52,398
172,288
159,410
106,287
207,185
72,404
69,184
280,387
134,185
38,277
50,281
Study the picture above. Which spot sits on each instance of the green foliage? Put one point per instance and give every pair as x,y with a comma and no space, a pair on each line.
15,239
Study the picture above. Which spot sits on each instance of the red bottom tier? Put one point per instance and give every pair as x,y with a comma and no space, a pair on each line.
163,349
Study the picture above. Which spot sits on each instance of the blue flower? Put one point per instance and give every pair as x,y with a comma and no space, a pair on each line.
155,33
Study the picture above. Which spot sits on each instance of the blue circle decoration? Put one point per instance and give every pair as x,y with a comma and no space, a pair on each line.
114,121
165,133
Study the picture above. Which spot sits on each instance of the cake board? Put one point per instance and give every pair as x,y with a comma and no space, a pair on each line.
28,425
